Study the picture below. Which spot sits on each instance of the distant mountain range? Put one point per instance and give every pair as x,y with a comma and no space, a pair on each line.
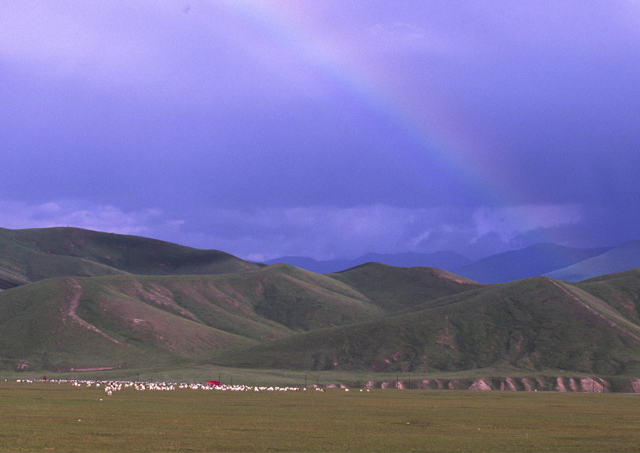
440,260
618,259
77,300
556,261
539,259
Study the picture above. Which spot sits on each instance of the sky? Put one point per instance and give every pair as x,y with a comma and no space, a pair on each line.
324,128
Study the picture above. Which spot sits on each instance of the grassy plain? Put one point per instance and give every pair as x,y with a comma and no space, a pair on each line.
59,417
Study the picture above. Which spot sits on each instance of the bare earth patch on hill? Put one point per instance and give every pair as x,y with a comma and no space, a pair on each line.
69,306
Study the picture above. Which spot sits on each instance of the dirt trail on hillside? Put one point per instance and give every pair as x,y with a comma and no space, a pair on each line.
612,323
70,306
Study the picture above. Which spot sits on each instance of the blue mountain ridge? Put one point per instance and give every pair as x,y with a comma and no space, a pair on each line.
552,260
618,259
441,260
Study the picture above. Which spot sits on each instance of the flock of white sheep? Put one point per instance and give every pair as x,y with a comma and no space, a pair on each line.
114,386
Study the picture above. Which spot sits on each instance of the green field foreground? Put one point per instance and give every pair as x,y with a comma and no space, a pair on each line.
59,417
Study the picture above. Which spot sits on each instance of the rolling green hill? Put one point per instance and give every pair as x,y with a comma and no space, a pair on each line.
36,254
395,288
78,300
130,321
527,325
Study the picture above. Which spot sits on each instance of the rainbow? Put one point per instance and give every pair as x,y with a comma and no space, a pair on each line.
454,151
466,158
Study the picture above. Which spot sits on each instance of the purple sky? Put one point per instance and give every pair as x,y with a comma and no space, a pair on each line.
324,128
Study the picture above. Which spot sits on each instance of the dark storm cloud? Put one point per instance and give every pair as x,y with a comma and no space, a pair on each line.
323,127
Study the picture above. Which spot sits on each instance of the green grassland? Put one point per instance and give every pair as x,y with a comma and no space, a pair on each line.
59,417
496,377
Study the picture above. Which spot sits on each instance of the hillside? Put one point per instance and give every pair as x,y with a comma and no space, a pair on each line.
36,254
133,320
76,299
621,291
395,288
532,324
